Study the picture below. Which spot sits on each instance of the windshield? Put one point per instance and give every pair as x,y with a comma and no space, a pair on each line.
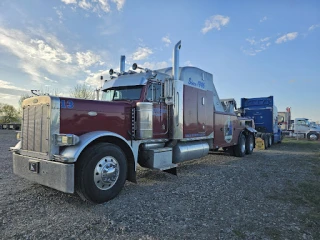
122,93
307,122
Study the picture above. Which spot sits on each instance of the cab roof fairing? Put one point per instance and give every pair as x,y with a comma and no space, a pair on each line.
197,78
133,79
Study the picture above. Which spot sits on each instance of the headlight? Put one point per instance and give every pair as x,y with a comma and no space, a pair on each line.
66,139
18,135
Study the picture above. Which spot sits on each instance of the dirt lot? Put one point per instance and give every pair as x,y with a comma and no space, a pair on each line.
272,194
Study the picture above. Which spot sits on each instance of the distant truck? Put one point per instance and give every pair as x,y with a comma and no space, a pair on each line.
265,115
305,128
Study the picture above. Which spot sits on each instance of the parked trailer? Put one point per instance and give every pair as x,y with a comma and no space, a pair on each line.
265,115
10,126
303,127
155,119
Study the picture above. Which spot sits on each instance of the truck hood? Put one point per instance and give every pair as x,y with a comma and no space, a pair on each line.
315,129
79,116
92,105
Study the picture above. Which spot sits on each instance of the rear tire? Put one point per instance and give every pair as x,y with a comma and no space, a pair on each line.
101,172
249,144
269,140
240,148
265,139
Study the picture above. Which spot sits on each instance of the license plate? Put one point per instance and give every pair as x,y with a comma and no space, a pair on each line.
34,166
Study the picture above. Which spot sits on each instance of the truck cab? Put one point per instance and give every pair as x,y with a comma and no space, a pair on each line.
303,126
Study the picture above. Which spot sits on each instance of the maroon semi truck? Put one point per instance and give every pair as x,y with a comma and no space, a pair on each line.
155,119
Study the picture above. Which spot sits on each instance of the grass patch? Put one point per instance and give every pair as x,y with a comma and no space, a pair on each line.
306,193
310,191
302,144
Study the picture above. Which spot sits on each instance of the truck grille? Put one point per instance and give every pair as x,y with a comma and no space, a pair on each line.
35,128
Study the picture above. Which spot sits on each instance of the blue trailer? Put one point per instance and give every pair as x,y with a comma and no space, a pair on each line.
265,115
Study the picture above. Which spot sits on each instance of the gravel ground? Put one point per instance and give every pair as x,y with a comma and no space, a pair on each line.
216,197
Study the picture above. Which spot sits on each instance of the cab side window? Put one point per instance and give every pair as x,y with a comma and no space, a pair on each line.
301,122
154,93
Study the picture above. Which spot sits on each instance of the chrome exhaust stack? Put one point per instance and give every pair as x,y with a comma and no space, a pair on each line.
175,60
122,64
174,96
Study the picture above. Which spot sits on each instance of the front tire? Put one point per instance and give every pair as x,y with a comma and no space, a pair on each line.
101,172
313,136
240,148
249,144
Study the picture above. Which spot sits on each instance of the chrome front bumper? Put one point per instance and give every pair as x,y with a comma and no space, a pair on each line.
56,175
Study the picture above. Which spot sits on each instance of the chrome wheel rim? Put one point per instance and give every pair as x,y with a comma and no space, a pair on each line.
313,137
251,144
106,173
243,146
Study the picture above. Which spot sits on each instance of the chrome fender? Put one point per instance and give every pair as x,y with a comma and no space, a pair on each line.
72,153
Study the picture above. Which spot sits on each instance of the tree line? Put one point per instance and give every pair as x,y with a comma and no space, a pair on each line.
9,114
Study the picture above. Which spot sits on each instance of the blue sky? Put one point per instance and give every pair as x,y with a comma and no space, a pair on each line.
252,48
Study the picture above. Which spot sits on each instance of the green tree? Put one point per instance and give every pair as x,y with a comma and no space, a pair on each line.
9,114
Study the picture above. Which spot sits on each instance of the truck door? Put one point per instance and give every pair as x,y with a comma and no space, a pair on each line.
160,115
301,126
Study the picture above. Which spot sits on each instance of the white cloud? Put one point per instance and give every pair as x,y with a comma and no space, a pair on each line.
97,6
60,15
104,5
256,46
41,50
251,41
85,5
10,94
120,3
264,39
40,54
311,28
94,78
216,21
263,19
11,99
166,40
50,80
8,85
287,37
69,1
141,53
87,59
188,63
